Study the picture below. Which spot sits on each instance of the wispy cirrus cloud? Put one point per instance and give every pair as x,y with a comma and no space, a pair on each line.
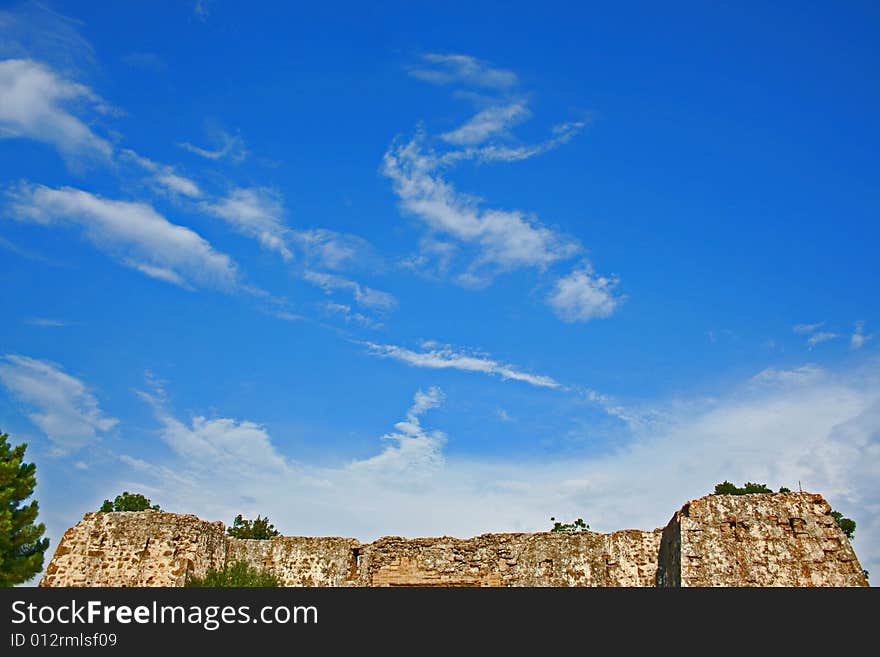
434,356
562,134
451,68
38,103
132,232
363,295
62,405
256,212
487,123
164,175
349,314
820,337
329,249
815,335
229,146
805,329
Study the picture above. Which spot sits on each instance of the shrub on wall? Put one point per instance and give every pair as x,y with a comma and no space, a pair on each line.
577,526
238,574
260,529
727,488
129,502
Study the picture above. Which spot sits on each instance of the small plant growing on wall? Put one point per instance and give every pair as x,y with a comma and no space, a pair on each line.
260,528
577,526
129,502
848,525
727,488
238,574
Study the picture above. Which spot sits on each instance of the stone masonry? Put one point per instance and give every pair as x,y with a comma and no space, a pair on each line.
781,539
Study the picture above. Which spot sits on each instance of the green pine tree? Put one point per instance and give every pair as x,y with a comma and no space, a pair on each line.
21,548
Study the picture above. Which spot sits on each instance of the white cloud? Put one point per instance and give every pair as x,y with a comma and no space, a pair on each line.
804,329
256,212
164,175
64,409
413,452
363,295
505,239
858,339
36,103
328,249
798,376
349,315
134,233
230,147
635,419
463,69
178,184
487,123
562,134
445,357
223,445
582,296
820,337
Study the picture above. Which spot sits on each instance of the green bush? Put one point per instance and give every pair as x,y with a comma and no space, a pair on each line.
260,529
236,574
577,526
727,488
128,502
848,525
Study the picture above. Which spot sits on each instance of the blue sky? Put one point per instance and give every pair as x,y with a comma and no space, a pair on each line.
429,270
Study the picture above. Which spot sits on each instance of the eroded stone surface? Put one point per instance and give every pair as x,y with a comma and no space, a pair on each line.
785,539
626,558
143,548
750,540
301,560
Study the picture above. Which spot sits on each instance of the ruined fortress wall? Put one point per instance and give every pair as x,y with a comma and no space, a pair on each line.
144,548
751,540
759,540
301,560
626,558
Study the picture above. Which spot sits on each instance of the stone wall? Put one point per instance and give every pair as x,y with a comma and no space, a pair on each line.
757,540
752,540
626,558
301,560
144,548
